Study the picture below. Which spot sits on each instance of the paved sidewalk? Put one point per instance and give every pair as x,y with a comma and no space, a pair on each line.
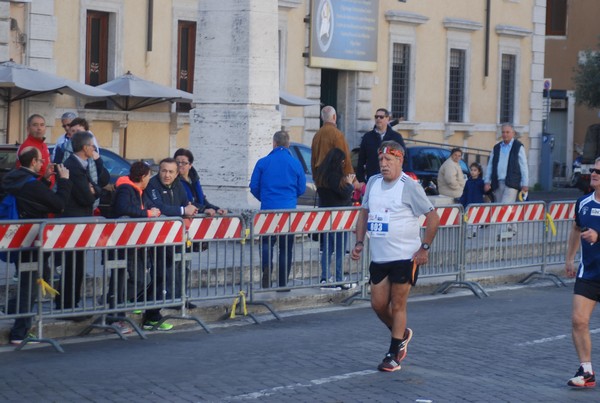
511,347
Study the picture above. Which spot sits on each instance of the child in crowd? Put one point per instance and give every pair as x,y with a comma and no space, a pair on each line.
473,191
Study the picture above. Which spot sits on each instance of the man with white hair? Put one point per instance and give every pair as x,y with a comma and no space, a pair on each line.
507,170
327,138
65,121
390,213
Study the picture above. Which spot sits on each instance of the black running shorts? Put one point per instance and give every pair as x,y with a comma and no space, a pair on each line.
398,271
587,288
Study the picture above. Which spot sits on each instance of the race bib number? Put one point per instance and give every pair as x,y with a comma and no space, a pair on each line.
378,224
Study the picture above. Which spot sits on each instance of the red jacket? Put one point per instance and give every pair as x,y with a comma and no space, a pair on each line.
43,147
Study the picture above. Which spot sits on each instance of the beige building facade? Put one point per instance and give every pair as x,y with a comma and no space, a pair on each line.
452,70
74,39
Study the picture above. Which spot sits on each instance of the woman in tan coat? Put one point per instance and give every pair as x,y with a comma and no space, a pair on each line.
451,180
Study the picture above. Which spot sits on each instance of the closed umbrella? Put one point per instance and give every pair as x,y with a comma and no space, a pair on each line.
285,98
132,92
19,82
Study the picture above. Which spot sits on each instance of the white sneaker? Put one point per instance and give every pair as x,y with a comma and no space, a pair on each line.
122,326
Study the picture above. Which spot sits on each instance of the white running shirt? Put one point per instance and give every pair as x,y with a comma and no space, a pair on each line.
394,210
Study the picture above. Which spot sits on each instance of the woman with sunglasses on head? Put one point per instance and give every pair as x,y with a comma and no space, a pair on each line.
191,182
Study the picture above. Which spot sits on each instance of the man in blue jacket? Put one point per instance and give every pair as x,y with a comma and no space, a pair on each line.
277,181
166,193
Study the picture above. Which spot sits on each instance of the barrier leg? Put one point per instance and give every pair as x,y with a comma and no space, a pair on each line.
184,316
471,285
542,275
36,340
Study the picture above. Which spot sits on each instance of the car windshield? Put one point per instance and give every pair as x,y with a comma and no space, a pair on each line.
426,160
114,164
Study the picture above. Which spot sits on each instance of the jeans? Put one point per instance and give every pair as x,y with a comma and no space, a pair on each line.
329,242
286,247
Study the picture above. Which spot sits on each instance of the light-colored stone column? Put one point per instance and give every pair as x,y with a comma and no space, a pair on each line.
236,93
4,55
536,126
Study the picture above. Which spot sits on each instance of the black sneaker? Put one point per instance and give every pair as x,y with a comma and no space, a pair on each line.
582,379
389,363
408,334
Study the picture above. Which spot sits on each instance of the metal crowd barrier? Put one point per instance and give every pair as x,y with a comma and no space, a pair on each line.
317,242
19,270
504,236
109,267
119,262
216,259
446,256
560,217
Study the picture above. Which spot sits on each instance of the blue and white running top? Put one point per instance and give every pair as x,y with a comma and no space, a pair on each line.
587,214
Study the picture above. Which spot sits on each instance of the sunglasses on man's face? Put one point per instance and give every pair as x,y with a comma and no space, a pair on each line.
594,171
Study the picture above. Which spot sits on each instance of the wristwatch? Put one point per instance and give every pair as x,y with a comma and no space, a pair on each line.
425,246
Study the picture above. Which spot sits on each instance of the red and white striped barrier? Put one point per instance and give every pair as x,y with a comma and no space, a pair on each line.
305,221
449,217
209,228
562,211
98,235
13,236
510,213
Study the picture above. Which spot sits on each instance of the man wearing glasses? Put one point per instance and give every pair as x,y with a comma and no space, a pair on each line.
35,199
585,232
65,121
81,204
368,163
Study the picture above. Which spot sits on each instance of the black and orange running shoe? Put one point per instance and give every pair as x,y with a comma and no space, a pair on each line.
582,379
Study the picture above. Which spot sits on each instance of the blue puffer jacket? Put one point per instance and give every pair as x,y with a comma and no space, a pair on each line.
278,180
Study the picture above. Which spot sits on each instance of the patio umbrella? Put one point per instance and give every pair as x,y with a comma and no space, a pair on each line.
285,98
19,82
132,92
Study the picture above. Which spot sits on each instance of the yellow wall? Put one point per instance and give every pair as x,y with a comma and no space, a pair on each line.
148,136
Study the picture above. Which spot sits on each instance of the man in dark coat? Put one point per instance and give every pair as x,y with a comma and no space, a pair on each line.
165,192
35,199
80,204
368,157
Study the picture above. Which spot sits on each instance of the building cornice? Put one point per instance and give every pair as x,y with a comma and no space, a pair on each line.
405,18
509,30
290,3
462,25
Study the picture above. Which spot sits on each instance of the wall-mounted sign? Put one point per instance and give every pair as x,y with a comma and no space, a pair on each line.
344,34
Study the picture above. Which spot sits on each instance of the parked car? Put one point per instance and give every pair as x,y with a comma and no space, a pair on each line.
303,153
115,164
423,163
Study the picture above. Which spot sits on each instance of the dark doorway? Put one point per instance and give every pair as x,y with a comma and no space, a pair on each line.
329,89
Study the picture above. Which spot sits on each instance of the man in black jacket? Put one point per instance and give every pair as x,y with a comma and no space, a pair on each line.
35,199
166,193
80,204
368,157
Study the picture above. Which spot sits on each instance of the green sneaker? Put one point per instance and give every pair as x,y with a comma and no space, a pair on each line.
150,325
